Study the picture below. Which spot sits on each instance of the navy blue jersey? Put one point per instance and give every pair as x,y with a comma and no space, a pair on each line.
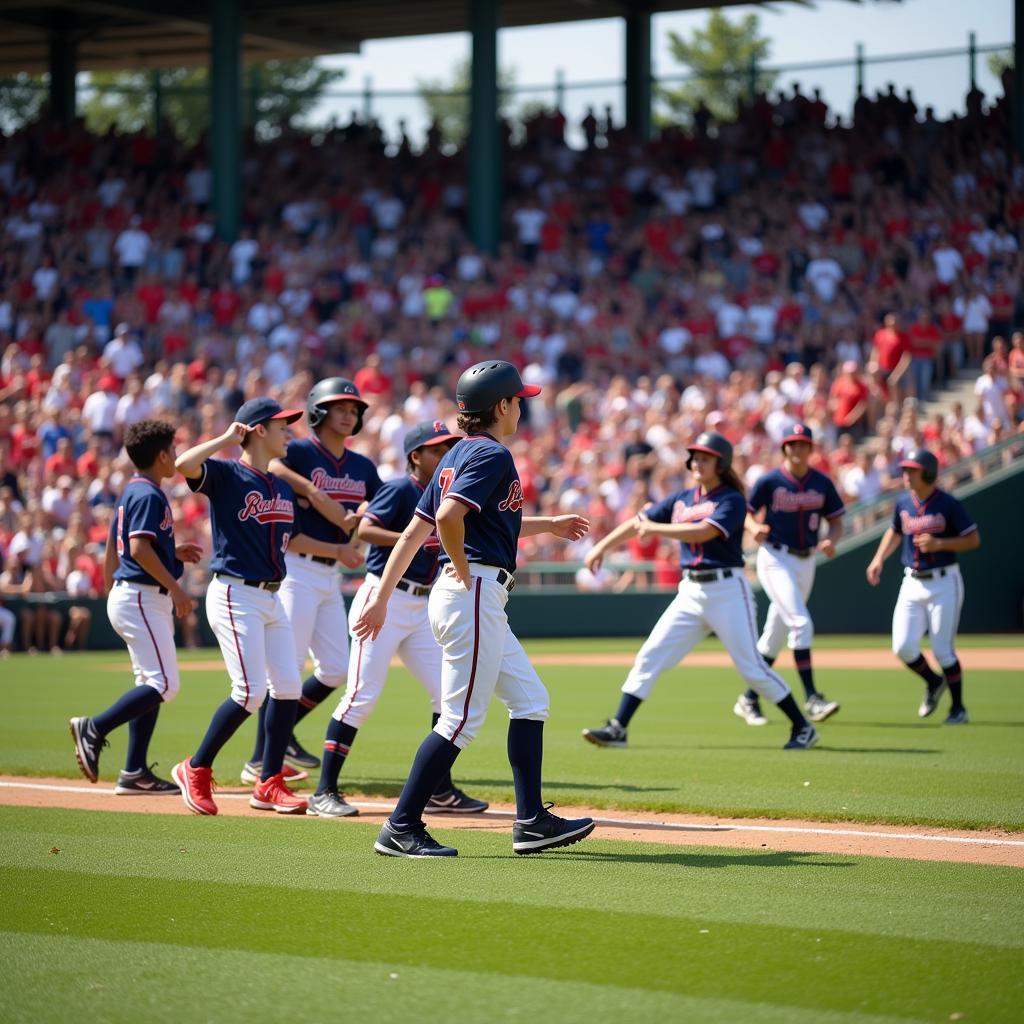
795,506
251,518
392,508
350,481
143,511
940,514
724,508
481,473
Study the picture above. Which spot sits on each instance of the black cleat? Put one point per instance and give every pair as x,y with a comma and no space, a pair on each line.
88,744
802,737
142,782
417,842
931,700
298,757
611,734
957,717
548,831
455,802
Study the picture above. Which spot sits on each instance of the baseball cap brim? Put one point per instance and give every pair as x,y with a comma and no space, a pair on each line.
440,439
529,391
703,448
797,437
288,415
910,464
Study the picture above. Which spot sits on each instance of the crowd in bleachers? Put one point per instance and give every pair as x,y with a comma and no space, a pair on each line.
736,276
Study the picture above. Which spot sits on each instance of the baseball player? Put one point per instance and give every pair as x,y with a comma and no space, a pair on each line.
713,594
786,511
932,527
406,632
331,484
475,500
141,569
252,521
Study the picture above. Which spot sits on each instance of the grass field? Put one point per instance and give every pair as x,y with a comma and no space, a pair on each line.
169,917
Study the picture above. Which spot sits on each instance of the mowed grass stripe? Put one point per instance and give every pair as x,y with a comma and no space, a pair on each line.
688,752
861,896
50,979
690,956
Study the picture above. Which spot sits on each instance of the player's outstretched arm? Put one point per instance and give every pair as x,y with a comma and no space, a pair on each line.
930,543
370,532
344,553
827,546
569,527
886,546
190,464
688,533
610,541
334,512
757,528
374,611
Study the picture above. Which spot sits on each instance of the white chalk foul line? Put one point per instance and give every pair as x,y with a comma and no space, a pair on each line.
666,826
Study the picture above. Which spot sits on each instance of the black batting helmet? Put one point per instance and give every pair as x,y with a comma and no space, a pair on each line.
922,459
333,389
713,444
482,386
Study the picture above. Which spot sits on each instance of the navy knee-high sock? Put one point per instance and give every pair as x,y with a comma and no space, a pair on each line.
140,731
802,657
261,733
314,693
526,756
280,720
435,756
224,724
955,682
337,744
445,785
925,671
627,709
131,705
789,708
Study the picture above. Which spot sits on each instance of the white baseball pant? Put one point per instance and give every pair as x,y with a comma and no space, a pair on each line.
255,640
931,606
787,580
407,633
312,600
144,619
724,607
8,622
481,656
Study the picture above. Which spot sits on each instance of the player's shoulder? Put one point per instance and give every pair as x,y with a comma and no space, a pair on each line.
480,448
396,487
359,462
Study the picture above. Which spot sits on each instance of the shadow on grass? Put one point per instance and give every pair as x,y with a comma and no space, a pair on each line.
826,747
377,787
686,859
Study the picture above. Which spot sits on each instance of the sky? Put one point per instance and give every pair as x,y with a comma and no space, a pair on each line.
593,51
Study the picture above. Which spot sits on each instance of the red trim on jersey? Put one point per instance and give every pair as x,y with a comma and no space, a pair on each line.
258,472
159,660
327,451
472,671
238,646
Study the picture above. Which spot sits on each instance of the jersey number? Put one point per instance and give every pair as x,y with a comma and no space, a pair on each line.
120,529
445,479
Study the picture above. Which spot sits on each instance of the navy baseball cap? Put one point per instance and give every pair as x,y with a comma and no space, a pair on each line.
799,432
427,433
259,410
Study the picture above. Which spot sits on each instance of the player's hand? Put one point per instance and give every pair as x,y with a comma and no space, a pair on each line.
926,542
183,604
371,619
235,433
642,525
465,579
570,527
349,556
352,520
593,558
874,574
761,531
189,552
827,548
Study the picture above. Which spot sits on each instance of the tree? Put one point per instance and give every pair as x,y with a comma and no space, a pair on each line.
286,91
448,104
999,61
21,99
719,58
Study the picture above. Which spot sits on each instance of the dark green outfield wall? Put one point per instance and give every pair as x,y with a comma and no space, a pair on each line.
842,601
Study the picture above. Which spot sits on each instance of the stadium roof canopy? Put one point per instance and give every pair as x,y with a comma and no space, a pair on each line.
119,34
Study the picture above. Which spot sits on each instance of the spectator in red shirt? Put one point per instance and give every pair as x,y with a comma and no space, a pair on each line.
371,379
890,353
925,340
848,400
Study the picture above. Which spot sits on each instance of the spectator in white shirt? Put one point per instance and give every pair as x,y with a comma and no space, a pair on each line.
122,352
975,310
948,263
991,388
100,409
132,247
134,405
529,221
824,274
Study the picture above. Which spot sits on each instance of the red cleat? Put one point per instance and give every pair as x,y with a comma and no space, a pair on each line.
196,785
274,795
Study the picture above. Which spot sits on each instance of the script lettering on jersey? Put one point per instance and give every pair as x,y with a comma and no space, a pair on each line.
514,501
167,523
266,510
796,501
922,524
340,488
682,513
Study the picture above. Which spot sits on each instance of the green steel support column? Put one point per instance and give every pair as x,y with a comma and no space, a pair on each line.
484,140
1017,99
560,90
638,72
226,114
63,69
367,99
860,68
